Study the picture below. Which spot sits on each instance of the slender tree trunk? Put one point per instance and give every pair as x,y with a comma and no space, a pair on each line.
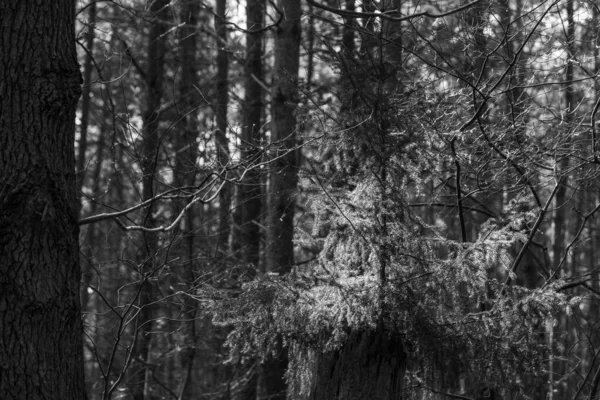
222,142
562,197
310,48
563,160
283,167
140,382
348,42
90,304
283,173
474,71
249,200
40,320
392,35
87,254
185,174
86,98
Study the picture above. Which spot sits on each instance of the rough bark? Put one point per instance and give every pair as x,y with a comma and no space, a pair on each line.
249,192
40,321
370,366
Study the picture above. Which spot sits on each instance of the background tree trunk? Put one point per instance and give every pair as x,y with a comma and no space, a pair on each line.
86,99
283,178
249,193
222,143
185,175
40,321
284,169
140,382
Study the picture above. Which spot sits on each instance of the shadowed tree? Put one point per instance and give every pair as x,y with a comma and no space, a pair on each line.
185,175
283,177
249,193
222,99
40,320
154,76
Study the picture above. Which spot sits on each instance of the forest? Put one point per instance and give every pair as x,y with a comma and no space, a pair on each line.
299,199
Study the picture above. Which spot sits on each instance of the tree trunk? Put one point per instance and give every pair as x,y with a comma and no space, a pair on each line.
249,207
370,366
558,389
348,42
86,99
283,173
283,167
40,320
222,143
185,175
140,381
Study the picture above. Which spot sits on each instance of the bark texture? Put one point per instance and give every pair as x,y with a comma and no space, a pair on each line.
370,366
40,321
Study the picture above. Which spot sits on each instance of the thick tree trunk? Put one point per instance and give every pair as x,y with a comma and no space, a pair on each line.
40,321
370,366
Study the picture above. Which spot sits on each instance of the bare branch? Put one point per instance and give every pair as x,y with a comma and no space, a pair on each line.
386,14
101,217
